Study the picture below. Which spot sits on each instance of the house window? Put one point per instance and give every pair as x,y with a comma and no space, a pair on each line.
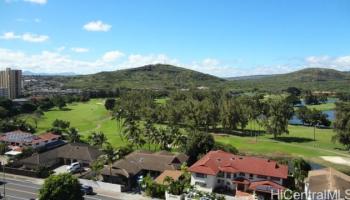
234,175
262,177
201,184
200,175
228,175
251,176
275,179
241,174
221,175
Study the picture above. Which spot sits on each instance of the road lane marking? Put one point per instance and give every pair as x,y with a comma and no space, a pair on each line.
21,191
89,197
27,186
15,197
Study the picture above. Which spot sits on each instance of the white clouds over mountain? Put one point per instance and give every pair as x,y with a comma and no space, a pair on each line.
57,62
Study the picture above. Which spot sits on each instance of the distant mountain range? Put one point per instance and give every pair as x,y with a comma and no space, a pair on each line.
316,79
29,73
162,76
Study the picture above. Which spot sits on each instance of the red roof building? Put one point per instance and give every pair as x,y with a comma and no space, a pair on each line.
219,169
20,139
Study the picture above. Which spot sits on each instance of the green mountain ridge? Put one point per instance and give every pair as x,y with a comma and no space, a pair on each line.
156,76
316,79
161,76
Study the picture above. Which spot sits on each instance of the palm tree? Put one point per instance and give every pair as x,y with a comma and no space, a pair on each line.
133,133
150,132
119,116
154,138
165,139
36,116
110,156
73,135
300,171
97,166
97,139
178,137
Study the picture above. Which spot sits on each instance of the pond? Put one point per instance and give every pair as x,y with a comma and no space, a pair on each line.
296,121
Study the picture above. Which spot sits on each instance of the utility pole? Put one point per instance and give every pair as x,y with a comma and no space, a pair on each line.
3,177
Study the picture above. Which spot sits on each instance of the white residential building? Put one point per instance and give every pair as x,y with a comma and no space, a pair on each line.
219,169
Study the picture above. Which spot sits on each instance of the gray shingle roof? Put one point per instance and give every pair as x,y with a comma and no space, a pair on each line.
133,163
78,151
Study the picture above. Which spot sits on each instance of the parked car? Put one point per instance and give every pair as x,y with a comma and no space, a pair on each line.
86,189
74,167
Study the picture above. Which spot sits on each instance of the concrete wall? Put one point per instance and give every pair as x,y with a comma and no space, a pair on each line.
102,185
210,182
173,197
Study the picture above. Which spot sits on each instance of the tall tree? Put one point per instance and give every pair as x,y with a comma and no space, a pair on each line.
149,132
59,102
61,186
342,124
60,126
300,170
198,143
133,134
97,139
73,135
110,155
280,111
109,104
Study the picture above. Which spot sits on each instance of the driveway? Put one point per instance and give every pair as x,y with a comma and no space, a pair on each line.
61,169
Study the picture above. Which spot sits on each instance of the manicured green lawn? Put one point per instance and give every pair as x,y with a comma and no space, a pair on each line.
323,107
92,116
86,117
298,143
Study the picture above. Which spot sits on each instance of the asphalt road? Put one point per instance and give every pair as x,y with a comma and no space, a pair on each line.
24,190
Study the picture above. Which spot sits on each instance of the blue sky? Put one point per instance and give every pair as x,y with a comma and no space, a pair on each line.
223,37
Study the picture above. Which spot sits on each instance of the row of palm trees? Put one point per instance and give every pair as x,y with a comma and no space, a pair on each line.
165,138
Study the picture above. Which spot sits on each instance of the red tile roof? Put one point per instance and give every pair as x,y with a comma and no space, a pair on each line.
255,185
216,161
49,136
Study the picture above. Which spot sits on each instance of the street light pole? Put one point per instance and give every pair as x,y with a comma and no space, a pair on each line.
3,172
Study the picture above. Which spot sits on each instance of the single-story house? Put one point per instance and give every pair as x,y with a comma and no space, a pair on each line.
174,174
223,170
327,183
20,138
66,154
127,170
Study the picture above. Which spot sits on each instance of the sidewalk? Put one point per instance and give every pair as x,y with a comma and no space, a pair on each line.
37,181
117,195
122,195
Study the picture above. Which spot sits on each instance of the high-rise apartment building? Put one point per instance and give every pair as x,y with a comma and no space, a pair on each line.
11,80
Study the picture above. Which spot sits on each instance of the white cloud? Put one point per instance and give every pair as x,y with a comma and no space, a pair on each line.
9,36
58,61
23,20
60,49
97,26
41,2
79,49
111,56
28,37
341,63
